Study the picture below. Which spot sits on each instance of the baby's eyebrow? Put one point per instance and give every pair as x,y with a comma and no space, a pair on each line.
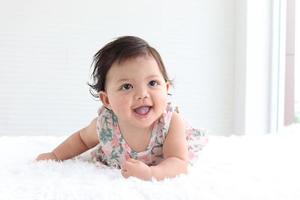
153,76
123,80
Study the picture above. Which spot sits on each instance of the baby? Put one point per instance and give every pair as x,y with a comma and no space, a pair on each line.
137,130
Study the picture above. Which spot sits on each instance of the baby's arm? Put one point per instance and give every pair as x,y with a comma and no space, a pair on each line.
175,154
175,151
74,145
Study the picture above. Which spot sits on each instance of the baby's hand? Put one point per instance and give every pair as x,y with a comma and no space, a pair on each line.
46,156
136,168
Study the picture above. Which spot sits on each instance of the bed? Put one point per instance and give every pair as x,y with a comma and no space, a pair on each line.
259,167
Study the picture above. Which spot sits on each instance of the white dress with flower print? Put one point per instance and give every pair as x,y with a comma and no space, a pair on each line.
112,149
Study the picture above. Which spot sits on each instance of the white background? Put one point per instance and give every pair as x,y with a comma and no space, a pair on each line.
297,59
46,50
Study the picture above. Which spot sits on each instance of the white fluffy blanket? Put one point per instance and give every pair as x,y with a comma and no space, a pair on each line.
247,167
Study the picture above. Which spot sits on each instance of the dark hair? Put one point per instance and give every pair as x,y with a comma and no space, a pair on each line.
119,50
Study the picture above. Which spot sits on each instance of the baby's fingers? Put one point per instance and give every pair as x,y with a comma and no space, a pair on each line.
124,169
125,173
45,156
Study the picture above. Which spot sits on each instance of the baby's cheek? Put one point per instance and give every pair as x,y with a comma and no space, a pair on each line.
119,104
163,101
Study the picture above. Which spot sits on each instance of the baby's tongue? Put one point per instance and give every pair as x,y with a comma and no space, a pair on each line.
142,110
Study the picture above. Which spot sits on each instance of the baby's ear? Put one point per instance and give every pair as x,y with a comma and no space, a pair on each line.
104,99
168,86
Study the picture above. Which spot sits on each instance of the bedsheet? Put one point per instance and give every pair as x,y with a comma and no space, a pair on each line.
236,167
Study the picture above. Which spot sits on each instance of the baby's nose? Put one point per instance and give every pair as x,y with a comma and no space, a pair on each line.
142,93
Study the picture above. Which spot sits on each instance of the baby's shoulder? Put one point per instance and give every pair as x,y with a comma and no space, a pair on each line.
167,115
168,118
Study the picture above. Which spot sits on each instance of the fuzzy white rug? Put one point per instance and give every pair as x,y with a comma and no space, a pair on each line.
248,167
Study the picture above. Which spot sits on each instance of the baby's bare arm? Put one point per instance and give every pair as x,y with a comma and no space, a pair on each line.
175,151
74,145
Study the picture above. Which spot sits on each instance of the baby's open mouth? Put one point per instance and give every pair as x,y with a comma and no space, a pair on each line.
143,110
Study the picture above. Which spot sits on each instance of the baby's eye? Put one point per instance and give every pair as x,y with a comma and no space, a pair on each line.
126,86
153,83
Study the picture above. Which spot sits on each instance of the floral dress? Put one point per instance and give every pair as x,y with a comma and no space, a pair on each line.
112,149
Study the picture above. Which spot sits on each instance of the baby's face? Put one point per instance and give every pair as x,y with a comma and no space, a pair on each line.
136,91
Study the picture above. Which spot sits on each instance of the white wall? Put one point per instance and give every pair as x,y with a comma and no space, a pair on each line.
253,67
46,50
297,60
258,94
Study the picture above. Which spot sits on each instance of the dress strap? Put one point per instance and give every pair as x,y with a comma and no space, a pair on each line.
164,122
105,123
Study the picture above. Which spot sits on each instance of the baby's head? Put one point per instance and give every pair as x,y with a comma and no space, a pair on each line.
130,80
119,51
